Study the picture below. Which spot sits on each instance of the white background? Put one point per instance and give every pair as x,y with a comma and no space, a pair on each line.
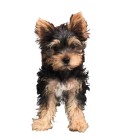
112,58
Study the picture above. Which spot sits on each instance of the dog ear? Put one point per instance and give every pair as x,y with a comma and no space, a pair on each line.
78,25
44,28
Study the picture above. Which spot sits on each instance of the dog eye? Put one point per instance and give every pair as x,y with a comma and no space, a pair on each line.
72,46
55,48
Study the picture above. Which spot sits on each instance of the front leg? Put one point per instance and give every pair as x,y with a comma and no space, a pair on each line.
74,107
47,109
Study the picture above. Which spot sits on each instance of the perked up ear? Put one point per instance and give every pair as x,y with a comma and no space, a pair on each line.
44,28
78,25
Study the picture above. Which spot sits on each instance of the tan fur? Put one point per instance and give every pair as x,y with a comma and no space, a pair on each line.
43,58
46,25
56,61
77,122
75,60
76,18
46,114
55,42
80,51
73,40
75,114
73,85
57,64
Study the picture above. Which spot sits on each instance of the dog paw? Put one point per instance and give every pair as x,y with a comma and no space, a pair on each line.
40,125
78,126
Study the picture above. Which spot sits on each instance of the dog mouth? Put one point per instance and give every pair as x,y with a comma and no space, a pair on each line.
66,67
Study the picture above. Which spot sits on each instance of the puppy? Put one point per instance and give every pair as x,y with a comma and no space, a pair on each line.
62,77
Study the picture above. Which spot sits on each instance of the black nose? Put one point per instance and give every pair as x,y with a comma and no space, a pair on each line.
66,60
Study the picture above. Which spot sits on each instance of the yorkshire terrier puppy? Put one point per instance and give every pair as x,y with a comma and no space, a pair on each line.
62,76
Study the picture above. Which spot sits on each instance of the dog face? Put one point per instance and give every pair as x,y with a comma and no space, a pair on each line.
63,46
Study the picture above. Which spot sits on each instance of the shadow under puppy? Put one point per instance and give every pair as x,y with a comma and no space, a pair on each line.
62,76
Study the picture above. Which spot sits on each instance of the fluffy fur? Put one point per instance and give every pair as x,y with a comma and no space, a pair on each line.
62,76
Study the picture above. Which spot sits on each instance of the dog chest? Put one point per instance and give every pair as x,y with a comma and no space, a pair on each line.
59,89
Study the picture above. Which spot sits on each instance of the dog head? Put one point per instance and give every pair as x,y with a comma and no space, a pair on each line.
63,46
